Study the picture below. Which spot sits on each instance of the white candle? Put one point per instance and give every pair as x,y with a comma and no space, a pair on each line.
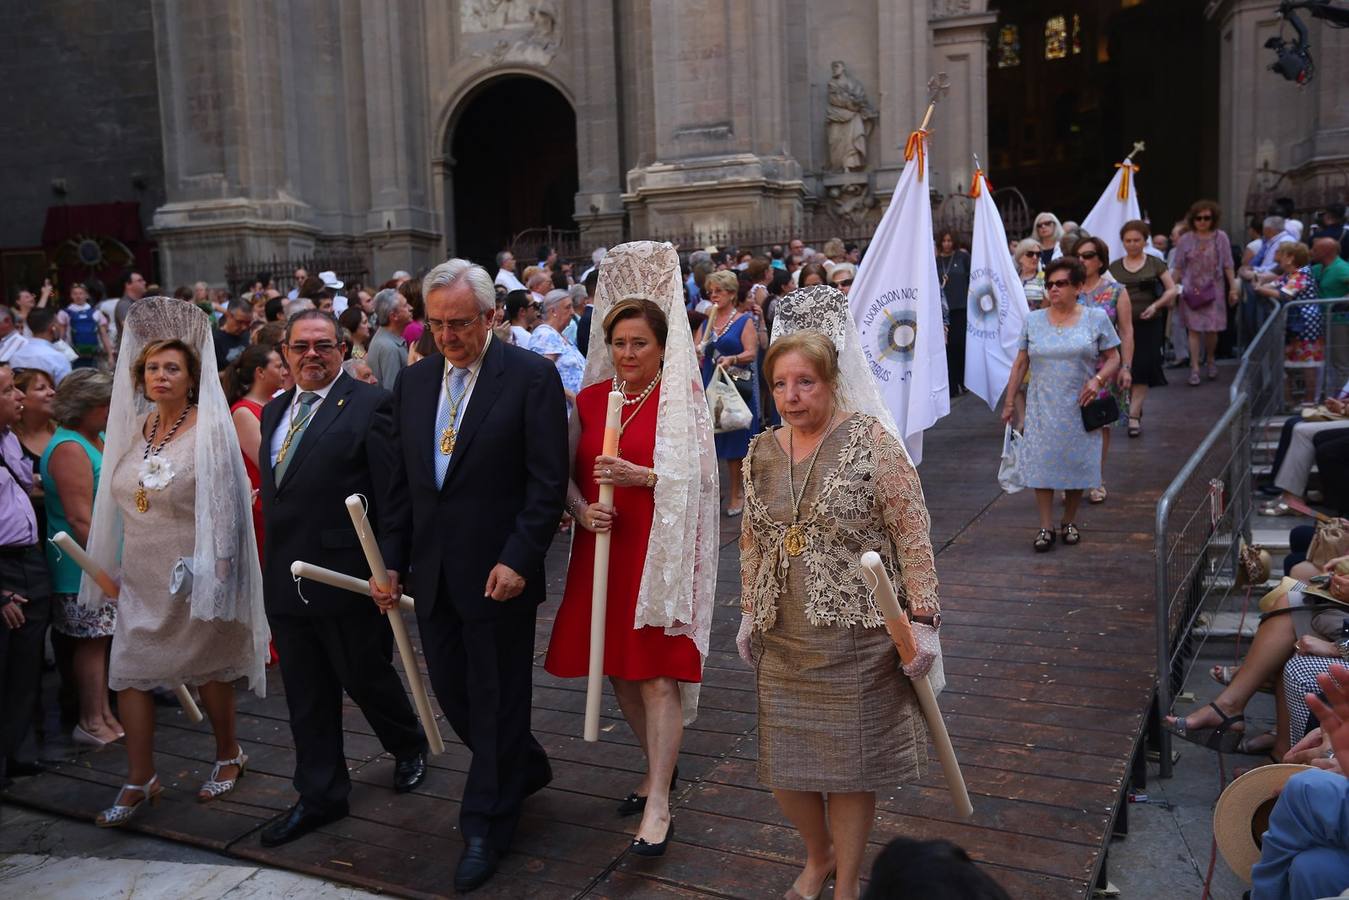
340,580
599,597
379,572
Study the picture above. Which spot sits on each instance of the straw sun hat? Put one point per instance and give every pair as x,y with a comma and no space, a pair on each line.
1242,814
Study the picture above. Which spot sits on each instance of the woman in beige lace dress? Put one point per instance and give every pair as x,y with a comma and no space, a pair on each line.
838,719
172,523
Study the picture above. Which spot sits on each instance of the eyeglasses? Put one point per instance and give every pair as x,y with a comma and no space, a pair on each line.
455,325
1030,253
302,348
843,282
1087,254
1204,217
1057,283
1043,224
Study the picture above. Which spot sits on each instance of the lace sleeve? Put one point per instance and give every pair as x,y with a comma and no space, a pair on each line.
750,556
904,511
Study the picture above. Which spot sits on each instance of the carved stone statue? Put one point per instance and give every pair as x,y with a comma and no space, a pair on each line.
848,121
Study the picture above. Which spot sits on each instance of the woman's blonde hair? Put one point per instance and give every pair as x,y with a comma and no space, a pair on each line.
723,279
1296,251
814,346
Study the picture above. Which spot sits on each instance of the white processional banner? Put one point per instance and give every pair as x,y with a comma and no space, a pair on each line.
1119,204
996,308
896,303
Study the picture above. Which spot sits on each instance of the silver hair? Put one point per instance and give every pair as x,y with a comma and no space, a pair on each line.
386,301
1026,245
1275,222
80,391
349,365
578,294
699,256
449,272
501,258
298,305
553,298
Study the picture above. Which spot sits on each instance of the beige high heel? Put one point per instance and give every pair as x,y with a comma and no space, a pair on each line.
214,788
119,813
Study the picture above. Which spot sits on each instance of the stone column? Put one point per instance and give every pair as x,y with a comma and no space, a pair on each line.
1259,113
960,30
401,225
225,116
599,201
719,155
902,31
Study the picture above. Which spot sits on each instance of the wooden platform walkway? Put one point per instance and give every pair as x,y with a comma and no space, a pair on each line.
1049,664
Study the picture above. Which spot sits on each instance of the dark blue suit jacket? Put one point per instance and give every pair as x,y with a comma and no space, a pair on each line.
504,490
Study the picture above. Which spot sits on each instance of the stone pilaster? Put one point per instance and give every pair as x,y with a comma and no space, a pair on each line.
960,32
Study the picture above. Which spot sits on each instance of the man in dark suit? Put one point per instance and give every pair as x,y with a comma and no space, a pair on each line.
482,435
327,438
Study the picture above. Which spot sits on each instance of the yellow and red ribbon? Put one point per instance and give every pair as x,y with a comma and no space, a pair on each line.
979,180
916,147
1127,167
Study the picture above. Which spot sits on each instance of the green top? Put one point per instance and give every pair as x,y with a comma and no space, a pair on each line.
1332,280
65,574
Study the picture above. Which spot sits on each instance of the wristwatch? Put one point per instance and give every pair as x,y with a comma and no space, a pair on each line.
932,621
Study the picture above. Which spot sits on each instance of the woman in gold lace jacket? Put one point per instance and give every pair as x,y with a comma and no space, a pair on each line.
838,719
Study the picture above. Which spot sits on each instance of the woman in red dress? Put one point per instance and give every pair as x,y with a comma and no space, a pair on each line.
661,568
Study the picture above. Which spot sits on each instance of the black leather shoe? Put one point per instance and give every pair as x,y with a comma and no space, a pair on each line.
409,772
645,848
478,864
635,803
17,769
297,822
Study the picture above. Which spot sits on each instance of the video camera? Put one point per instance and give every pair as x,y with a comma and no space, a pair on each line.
1293,59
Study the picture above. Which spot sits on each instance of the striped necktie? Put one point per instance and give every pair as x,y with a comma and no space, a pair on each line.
446,416
292,441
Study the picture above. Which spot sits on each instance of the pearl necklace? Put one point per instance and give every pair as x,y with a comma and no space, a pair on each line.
618,386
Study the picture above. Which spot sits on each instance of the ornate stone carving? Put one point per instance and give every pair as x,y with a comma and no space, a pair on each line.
850,201
943,9
848,120
525,31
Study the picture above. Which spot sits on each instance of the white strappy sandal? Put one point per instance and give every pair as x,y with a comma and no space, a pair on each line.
214,788
119,814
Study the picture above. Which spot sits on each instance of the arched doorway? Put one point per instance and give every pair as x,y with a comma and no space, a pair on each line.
513,143
1073,83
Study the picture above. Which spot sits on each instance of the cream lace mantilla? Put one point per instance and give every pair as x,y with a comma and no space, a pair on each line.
871,500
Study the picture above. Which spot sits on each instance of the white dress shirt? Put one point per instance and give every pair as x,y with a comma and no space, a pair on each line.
279,435
508,280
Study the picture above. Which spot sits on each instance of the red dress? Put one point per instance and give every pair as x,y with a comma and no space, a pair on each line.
254,476
632,654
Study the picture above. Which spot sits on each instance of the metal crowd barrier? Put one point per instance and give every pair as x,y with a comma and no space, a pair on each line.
1209,506
1199,517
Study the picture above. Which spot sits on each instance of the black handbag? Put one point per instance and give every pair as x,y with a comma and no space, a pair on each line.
1100,412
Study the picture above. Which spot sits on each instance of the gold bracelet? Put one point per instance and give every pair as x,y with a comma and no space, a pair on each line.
651,478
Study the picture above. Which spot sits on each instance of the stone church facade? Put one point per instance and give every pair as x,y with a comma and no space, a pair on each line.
285,128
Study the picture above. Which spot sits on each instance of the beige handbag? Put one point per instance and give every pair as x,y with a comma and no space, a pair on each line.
1331,540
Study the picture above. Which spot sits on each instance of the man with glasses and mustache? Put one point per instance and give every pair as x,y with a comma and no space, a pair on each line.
329,437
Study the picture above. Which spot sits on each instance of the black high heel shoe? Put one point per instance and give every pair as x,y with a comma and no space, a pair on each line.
634,803
646,848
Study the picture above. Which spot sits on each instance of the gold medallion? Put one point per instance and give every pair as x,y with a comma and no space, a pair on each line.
795,540
142,501
447,440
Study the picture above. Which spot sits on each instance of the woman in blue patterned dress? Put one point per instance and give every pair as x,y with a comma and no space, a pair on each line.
547,340
1061,344
729,339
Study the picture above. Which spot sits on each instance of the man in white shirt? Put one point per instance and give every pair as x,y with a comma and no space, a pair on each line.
38,352
11,338
506,272
300,275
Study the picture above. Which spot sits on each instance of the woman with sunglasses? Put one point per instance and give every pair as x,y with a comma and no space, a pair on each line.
1202,266
1027,256
1103,293
1062,344
1048,231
